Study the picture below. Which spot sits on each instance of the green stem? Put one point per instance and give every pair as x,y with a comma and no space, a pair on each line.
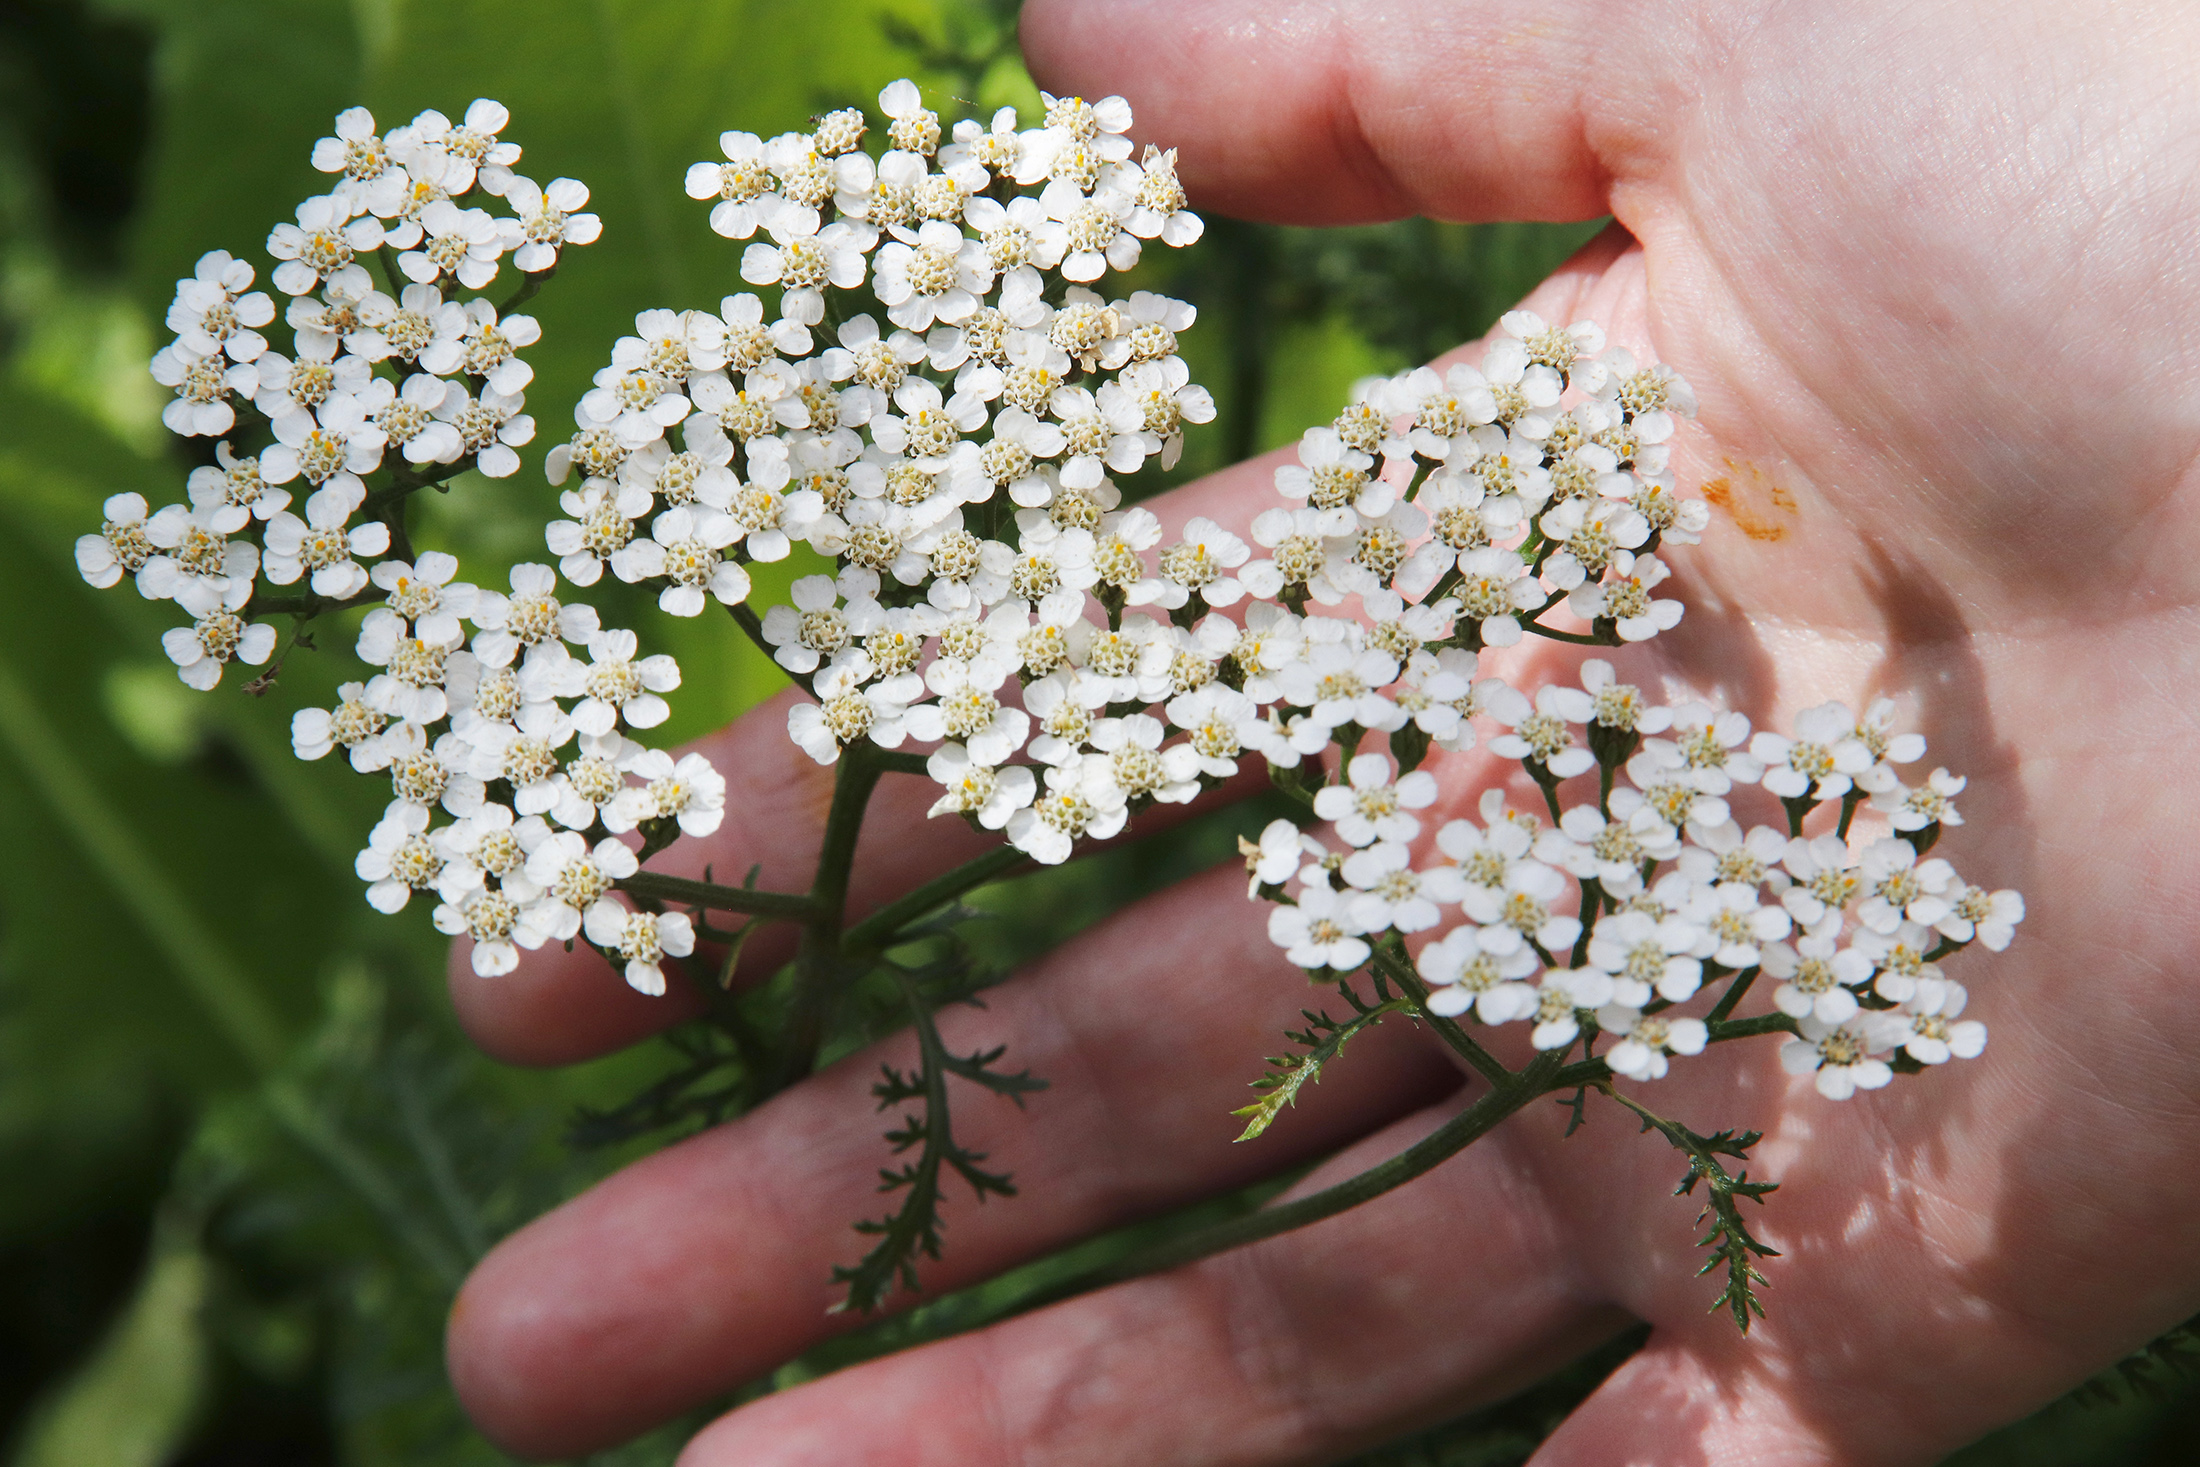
1592,905
1732,996
878,929
526,291
1546,782
820,953
1797,807
435,1159
1849,802
746,619
1751,1028
1447,1140
1292,782
1593,1072
1579,639
297,1115
404,483
679,891
1421,472
1452,1033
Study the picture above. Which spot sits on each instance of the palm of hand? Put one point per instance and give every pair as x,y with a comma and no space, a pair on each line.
1966,489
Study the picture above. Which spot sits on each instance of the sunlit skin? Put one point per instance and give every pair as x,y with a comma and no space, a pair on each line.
1931,270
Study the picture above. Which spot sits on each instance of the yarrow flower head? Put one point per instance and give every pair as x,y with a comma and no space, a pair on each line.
929,407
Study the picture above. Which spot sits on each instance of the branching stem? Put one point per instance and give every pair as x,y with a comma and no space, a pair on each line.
878,929
1400,972
1733,995
819,957
680,891
1446,1141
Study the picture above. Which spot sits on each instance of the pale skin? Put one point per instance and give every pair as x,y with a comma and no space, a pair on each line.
1931,269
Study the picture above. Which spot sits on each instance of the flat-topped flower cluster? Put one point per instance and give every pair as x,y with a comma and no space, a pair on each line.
929,393
1628,907
929,390
478,708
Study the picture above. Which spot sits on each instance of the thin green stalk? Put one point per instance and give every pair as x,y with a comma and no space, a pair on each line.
435,1159
526,291
404,484
1546,782
680,891
309,605
1750,1028
1591,1072
1579,639
1446,1141
820,954
878,929
745,618
1732,996
312,1130
1421,474
1462,1043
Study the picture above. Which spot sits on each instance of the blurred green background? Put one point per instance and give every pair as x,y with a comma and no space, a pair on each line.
245,1157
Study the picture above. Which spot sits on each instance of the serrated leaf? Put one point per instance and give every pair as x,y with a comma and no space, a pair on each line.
1325,1039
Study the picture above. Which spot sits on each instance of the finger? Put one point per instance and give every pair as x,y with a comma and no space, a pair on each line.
709,1263
1452,1291
1311,111
1667,1404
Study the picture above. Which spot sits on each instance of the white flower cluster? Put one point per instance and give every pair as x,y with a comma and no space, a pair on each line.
1539,475
951,451
953,459
416,372
407,383
526,746
1139,675
1852,929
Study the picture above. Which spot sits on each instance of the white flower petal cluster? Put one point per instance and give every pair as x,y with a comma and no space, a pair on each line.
929,385
511,711
503,716
382,380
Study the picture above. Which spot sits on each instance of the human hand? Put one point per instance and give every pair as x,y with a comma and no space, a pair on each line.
1930,275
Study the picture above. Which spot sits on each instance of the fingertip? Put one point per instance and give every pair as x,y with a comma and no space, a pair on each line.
1668,1403
475,1336
510,1341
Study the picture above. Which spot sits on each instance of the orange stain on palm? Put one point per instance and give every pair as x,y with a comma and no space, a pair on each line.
813,788
1760,506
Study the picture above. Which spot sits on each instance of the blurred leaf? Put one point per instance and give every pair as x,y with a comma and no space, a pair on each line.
132,1403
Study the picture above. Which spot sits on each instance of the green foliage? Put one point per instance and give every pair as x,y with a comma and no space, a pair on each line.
2159,1370
1323,1039
132,1403
1729,1239
914,1228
